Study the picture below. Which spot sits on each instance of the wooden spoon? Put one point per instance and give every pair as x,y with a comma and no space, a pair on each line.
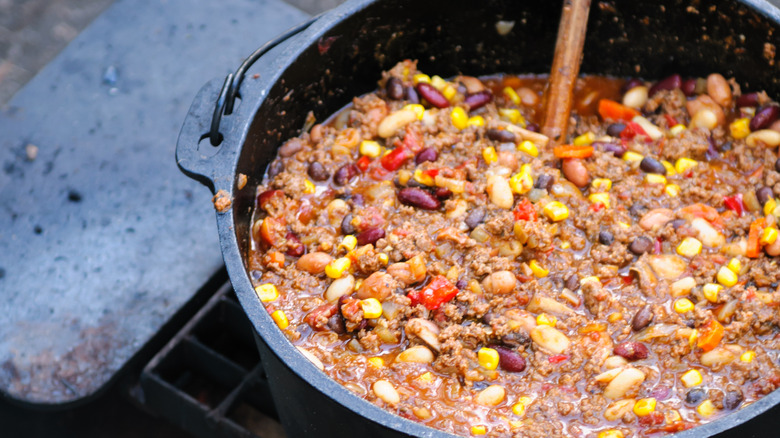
565,68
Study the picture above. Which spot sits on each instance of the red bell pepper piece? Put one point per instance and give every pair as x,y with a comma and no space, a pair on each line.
671,121
363,163
609,109
631,130
395,158
735,203
710,335
572,151
436,293
558,358
525,211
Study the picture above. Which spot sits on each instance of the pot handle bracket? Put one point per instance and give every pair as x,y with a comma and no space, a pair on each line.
206,167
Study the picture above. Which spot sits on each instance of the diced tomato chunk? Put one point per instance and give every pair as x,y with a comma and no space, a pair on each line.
735,203
558,358
436,293
525,211
363,163
609,109
710,335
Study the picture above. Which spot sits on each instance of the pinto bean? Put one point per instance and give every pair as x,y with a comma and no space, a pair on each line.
656,218
340,288
395,121
291,147
500,192
378,285
575,171
491,396
499,283
314,262
628,380
423,330
719,90
631,350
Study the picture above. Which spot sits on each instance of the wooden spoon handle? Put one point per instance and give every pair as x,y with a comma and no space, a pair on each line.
565,68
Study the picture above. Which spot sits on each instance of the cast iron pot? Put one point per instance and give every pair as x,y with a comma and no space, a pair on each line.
342,54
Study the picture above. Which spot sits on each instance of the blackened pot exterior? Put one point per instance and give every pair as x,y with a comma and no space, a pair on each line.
342,55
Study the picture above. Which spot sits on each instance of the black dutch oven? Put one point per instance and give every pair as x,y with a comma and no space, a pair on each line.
342,54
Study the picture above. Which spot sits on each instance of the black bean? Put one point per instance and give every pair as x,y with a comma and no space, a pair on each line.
725,146
732,399
642,318
764,194
617,149
749,99
637,209
544,182
606,238
641,245
764,117
417,197
475,217
345,174
461,284
427,154
651,165
500,135
572,282
317,171
689,87
533,127
336,324
346,225
677,223
615,129
432,95
370,236
695,396
394,88
358,200
275,168
478,99
411,95
670,83
516,339
711,153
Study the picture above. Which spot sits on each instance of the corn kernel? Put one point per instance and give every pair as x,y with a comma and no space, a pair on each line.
309,187
631,156
370,148
476,121
683,165
384,258
521,183
555,211
694,336
735,265
280,319
529,148
672,190
585,139
376,362
545,319
691,378
438,83
672,416
676,130
726,277
372,308
417,108
449,92
423,178
565,244
689,247
669,168
421,77
768,236
267,292
516,424
683,305
615,317
601,184
512,115
611,433
404,176
711,291
644,406
654,178
624,225
748,356
706,408
599,198
770,206
478,430
425,377
349,242
488,358
740,128
510,93
336,268
489,154
459,118
521,405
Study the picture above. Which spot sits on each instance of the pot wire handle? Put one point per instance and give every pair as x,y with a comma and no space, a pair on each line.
227,97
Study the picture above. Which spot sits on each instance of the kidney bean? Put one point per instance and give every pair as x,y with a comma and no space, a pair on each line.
732,399
346,225
265,198
606,238
631,350
461,284
475,217
764,194
296,248
629,84
533,127
358,200
319,317
748,99
615,129
345,173
419,198
640,245
544,182
478,99
642,318
432,95
394,88
575,171
500,135
370,235
670,83
317,171
617,149
411,94
764,117
661,392
689,87
427,154
695,396
275,168
442,193
651,165
509,360
572,282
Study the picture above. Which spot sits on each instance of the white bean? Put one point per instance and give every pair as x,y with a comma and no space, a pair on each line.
636,97
499,283
682,286
667,266
628,380
395,121
539,304
704,118
613,362
718,357
616,410
387,392
707,233
491,396
339,288
500,192
767,137
550,339
416,354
